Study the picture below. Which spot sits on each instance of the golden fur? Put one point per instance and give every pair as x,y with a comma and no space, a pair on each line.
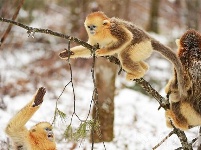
39,137
186,112
110,43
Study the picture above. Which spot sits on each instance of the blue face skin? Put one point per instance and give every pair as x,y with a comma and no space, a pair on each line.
50,134
92,29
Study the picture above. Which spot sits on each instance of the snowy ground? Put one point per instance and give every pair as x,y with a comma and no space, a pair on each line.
138,124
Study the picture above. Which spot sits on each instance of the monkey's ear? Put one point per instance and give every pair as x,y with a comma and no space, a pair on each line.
105,22
177,42
33,130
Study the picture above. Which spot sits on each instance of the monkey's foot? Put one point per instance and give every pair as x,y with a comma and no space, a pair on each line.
65,54
39,96
137,75
144,65
178,123
101,52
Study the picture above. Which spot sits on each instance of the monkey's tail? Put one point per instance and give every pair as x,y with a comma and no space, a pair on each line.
173,58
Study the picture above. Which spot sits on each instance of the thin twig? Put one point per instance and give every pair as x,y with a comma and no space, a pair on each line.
159,144
56,106
71,76
94,98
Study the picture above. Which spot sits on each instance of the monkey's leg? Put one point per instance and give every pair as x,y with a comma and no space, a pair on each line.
144,65
177,119
140,51
76,52
172,90
135,70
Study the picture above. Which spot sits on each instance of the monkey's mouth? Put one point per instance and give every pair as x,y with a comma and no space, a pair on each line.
92,32
50,136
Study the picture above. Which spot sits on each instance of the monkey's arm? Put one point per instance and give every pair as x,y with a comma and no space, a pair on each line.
117,41
76,52
169,54
16,127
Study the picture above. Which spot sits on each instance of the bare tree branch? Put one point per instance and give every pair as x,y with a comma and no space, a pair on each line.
31,31
199,140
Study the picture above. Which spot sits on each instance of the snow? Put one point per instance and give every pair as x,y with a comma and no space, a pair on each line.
138,123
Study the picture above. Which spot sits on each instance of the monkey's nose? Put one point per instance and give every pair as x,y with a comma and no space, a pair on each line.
91,27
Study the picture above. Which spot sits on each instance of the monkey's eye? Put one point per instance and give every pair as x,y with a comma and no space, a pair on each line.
91,27
48,129
104,23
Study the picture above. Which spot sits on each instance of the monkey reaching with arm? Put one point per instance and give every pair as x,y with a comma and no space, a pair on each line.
132,44
40,136
186,112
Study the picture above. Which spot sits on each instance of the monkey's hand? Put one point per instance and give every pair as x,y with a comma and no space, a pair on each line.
39,96
102,52
65,54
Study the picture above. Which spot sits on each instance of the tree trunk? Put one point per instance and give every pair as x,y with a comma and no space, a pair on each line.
153,18
105,78
193,14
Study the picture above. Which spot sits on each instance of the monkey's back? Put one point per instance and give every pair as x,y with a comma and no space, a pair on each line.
190,56
138,34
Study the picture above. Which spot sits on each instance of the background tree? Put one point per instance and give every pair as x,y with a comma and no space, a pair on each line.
191,12
105,78
153,16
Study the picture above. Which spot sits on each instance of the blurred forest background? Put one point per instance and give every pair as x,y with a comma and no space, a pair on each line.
166,20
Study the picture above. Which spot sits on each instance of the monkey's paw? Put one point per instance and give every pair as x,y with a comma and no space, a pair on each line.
65,54
130,76
39,96
173,120
101,52
168,115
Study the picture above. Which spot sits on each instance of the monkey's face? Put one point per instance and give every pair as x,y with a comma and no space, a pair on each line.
96,23
44,130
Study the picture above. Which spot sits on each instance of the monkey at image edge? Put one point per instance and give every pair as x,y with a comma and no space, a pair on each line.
186,112
40,136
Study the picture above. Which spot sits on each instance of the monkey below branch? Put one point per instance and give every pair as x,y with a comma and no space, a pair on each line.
132,44
40,136
186,112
